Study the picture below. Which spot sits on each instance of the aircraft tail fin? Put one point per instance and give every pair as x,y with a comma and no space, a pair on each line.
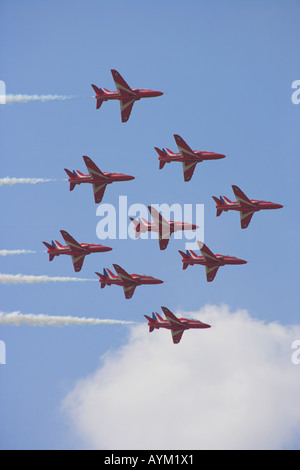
69,173
220,202
108,274
157,316
150,323
182,253
185,257
167,151
225,200
98,91
102,280
77,173
56,244
217,200
47,245
191,253
161,154
50,247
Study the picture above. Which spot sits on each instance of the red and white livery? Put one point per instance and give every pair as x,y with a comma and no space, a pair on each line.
211,261
129,282
188,157
96,177
161,226
176,325
125,94
245,206
76,250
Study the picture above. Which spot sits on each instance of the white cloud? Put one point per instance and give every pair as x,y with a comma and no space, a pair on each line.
232,386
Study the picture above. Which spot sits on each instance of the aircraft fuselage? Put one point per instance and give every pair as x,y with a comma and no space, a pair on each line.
136,94
87,249
198,157
255,207
221,260
137,279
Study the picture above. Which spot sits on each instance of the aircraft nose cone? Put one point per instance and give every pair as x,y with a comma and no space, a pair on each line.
159,281
158,93
107,248
194,227
242,261
128,177
278,206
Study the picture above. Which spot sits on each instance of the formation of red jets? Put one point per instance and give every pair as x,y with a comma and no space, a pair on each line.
164,228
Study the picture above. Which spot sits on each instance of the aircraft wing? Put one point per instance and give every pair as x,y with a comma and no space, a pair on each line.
246,217
123,275
126,105
172,319
98,189
162,226
122,87
188,170
176,335
93,170
77,262
163,242
129,291
177,328
71,242
211,272
242,198
184,149
206,253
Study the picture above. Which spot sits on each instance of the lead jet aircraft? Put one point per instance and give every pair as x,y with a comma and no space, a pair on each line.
76,250
211,261
176,325
129,282
126,95
161,226
96,177
243,205
188,157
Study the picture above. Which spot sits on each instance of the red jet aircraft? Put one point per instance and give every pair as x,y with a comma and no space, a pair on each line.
176,325
126,95
211,261
77,250
98,179
129,282
243,205
188,157
160,225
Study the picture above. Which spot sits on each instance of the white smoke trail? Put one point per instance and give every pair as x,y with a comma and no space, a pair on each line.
12,181
15,252
9,99
30,279
18,318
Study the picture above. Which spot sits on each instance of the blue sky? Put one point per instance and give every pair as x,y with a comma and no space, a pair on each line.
226,71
